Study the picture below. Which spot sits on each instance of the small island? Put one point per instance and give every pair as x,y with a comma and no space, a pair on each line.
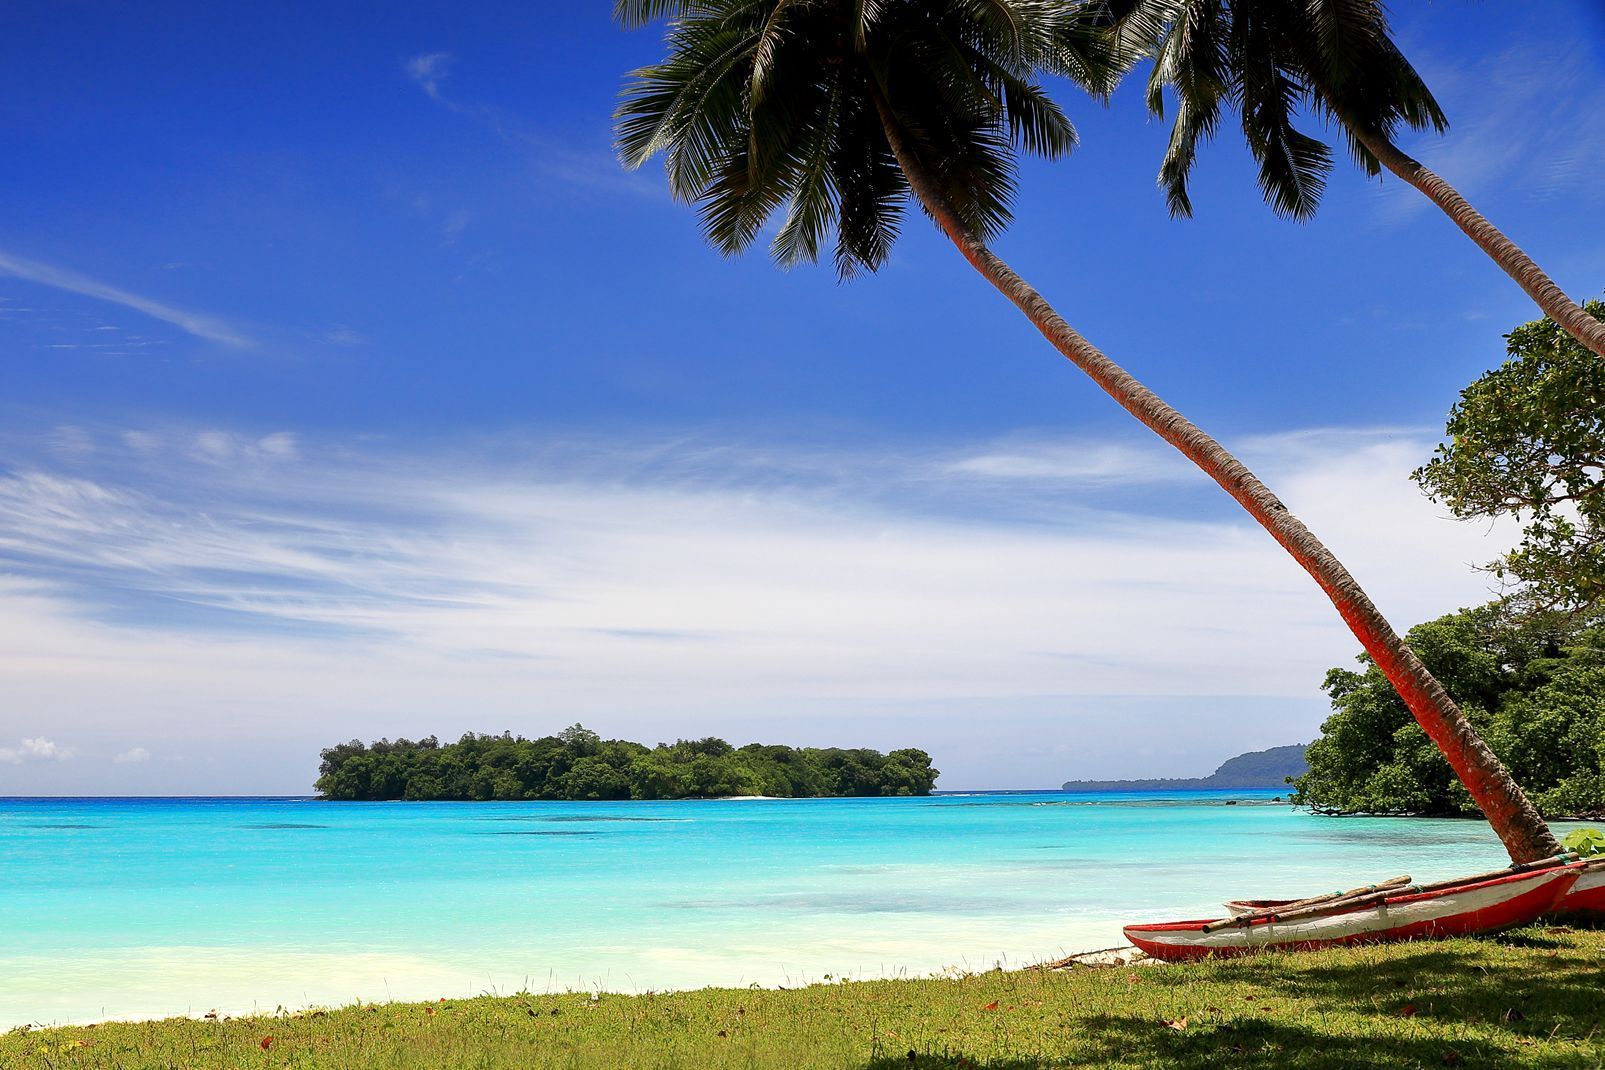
578,764
1255,770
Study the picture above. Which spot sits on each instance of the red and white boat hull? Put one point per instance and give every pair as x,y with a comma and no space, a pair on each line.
1588,894
1459,910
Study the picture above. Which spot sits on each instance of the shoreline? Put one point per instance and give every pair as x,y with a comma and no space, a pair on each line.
1388,1005
219,1011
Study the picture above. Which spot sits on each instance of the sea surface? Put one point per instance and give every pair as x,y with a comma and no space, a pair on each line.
122,908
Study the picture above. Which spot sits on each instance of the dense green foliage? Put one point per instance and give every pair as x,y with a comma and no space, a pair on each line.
1534,688
1528,440
578,764
1531,999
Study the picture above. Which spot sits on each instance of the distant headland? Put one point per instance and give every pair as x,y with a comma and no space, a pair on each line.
1256,769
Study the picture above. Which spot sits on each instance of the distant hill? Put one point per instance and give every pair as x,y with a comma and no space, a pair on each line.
1256,769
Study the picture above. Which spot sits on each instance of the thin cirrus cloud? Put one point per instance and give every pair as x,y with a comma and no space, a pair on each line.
1074,463
1494,138
657,588
772,557
208,328
588,169
429,70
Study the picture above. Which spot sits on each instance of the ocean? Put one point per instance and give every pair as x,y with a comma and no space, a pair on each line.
125,908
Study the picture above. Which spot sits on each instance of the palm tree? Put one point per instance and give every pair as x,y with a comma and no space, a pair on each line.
1268,59
829,113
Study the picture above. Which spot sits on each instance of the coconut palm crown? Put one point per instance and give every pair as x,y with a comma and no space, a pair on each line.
1270,60
766,108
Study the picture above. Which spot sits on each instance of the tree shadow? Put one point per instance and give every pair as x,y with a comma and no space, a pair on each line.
1530,940
1467,1012
929,1061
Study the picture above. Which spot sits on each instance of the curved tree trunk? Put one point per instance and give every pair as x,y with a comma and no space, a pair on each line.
1513,817
1504,252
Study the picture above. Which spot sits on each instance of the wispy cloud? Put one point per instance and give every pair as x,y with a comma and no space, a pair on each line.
582,572
202,326
1524,116
429,70
132,756
593,169
1076,462
345,336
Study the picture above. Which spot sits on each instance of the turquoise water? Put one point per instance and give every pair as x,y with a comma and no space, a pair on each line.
134,908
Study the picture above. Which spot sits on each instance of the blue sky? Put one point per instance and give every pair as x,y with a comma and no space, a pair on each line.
349,388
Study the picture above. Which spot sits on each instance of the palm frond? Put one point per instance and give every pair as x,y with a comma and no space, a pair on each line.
1411,100
740,197
1292,166
1000,20
872,188
633,14
865,14
1096,46
1194,123
1036,122
665,104
1344,35
769,40
947,69
813,190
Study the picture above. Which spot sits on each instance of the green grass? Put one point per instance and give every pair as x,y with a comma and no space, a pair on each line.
1535,998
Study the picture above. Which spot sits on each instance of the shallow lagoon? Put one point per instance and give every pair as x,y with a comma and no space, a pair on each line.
132,908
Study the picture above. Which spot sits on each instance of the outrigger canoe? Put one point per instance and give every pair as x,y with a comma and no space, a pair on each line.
1394,911
1587,896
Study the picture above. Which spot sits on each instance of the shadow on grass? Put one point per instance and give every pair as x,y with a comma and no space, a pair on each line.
1436,1007
1110,1041
954,1062
921,1061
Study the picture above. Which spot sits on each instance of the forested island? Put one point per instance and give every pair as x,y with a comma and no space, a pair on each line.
578,764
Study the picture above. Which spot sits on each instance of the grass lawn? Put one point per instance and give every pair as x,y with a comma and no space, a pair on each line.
1535,998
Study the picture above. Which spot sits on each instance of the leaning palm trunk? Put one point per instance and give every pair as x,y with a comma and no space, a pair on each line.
1513,817
1507,254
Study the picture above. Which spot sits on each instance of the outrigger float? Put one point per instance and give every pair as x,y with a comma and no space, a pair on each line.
1386,912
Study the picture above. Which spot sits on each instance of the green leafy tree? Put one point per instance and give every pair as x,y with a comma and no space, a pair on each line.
1270,59
1534,687
907,772
1586,842
656,775
594,777
830,115
1527,440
